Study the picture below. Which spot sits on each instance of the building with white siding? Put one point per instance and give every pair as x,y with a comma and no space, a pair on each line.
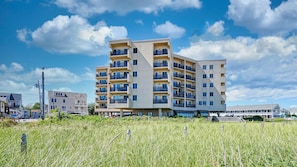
147,78
68,102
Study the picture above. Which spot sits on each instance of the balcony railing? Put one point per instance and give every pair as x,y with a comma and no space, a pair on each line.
101,99
190,96
179,94
160,101
101,90
101,75
160,89
161,52
160,77
178,85
179,105
118,65
112,101
191,105
115,89
119,52
178,65
161,64
101,83
178,75
190,68
190,86
190,77
122,76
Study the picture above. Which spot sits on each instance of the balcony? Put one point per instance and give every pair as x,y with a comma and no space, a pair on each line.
189,68
160,89
101,99
190,86
189,77
178,75
191,105
161,51
160,77
177,65
122,65
101,91
120,103
190,97
179,94
120,53
160,101
103,75
160,64
178,105
177,85
101,83
123,89
120,77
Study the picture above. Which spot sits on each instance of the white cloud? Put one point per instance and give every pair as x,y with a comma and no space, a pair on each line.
217,28
90,7
169,29
139,21
260,18
73,35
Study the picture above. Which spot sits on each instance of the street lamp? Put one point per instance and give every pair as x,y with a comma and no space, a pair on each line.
42,93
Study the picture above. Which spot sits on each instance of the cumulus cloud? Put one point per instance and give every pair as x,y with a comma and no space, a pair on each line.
217,28
90,7
170,30
259,17
72,35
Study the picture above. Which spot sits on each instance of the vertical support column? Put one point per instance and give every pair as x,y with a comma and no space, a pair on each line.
121,113
160,112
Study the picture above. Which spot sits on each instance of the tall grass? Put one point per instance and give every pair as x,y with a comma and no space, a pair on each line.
153,142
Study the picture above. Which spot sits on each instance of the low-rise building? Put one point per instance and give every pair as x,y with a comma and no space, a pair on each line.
68,102
267,111
14,102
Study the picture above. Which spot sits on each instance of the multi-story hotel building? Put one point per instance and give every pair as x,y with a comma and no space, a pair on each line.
68,102
147,78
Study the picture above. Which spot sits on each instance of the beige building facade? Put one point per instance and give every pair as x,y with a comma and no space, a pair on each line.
68,102
147,78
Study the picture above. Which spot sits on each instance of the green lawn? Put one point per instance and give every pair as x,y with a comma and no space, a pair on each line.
95,141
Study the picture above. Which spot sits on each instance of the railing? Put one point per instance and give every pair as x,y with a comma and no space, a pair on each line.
190,68
181,94
122,76
190,77
101,83
160,77
191,105
160,89
113,89
160,52
178,65
119,52
190,86
179,105
161,64
190,96
101,75
101,99
178,75
112,101
101,90
160,101
118,65
179,85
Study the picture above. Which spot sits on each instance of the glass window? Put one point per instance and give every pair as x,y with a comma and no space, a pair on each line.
204,102
134,50
204,93
134,62
139,113
211,103
210,93
204,67
134,73
211,85
134,85
211,67
210,75
134,97
200,103
204,76
204,85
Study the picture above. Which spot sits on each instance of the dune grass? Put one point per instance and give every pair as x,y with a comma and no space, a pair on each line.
94,141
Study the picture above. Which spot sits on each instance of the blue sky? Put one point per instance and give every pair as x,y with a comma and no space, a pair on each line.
70,39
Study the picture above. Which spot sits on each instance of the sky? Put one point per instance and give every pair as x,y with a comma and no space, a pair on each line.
70,38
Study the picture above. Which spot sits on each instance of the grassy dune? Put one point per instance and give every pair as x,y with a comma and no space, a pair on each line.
93,141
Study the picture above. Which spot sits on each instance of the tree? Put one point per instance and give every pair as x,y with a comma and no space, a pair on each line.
91,108
36,106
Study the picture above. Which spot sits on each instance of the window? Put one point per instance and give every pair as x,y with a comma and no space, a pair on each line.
134,85
204,103
134,97
204,85
204,76
139,113
210,75
134,62
64,100
211,84
204,93
134,50
134,73
211,103
204,67
211,67
210,93
200,103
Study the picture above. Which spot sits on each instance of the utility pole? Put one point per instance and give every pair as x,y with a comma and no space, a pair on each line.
42,93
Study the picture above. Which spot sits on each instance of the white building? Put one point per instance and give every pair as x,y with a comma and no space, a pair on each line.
147,78
14,101
264,110
68,102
